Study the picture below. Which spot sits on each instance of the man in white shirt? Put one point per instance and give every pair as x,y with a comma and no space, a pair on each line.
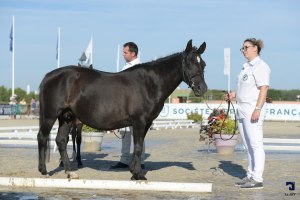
130,52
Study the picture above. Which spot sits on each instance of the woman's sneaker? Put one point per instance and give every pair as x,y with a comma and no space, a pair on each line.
243,181
253,185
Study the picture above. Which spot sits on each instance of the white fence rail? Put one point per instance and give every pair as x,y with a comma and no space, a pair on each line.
172,124
27,135
280,144
29,129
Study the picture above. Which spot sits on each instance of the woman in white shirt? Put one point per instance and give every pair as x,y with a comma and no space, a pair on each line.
252,86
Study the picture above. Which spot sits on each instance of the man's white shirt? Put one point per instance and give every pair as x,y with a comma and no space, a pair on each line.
131,64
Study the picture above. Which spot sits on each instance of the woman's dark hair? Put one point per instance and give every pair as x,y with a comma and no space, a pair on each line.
132,47
255,42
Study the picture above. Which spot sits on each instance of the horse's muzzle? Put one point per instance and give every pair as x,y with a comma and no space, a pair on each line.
199,89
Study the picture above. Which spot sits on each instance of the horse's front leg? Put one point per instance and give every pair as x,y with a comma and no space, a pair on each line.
139,132
62,141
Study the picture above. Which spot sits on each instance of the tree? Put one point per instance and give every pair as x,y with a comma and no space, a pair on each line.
195,99
6,94
283,95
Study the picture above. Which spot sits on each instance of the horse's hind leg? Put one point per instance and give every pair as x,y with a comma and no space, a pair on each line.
61,164
74,136
62,140
139,132
43,140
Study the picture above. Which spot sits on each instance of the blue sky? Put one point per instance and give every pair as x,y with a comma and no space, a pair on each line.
158,27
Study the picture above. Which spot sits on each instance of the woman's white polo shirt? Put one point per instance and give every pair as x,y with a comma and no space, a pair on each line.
254,74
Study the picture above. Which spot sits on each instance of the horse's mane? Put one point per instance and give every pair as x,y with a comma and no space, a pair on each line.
158,61
165,58
154,62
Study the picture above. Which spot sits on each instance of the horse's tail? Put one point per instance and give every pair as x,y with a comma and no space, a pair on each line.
45,126
42,124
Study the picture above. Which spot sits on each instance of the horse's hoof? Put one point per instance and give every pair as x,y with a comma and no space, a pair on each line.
45,176
44,172
138,177
134,177
72,175
142,177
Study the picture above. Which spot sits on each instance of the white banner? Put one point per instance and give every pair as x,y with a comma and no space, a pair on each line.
180,110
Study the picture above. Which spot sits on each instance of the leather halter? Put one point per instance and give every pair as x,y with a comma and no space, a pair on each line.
185,74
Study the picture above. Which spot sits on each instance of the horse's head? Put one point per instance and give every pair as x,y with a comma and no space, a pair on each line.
193,68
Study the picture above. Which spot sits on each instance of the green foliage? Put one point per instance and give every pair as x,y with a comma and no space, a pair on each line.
275,95
228,126
5,95
195,99
215,94
86,128
283,95
216,119
195,116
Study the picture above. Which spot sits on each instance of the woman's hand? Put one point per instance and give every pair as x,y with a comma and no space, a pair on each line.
255,115
230,96
260,102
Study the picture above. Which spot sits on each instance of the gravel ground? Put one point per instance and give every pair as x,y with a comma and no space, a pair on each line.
172,156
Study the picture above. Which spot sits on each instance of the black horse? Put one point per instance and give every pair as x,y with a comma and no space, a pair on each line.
133,97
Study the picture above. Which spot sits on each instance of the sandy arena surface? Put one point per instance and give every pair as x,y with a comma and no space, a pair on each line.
172,156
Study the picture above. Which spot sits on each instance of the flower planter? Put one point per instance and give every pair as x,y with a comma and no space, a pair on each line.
92,141
225,147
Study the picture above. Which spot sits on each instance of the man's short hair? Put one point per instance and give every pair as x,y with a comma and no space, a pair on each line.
132,47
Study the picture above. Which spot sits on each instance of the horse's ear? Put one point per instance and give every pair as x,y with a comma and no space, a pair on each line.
189,47
91,66
202,48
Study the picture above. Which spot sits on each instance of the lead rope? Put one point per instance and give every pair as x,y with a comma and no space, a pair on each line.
228,110
214,108
122,137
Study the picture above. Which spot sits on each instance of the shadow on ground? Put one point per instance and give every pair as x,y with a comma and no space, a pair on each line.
232,169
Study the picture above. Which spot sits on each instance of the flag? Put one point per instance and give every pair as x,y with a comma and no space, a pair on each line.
11,39
227,61
89,51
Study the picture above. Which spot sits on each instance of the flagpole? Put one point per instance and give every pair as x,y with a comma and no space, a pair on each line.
139,56
92,51
227,66
228,82
13,57
58,48
118,58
